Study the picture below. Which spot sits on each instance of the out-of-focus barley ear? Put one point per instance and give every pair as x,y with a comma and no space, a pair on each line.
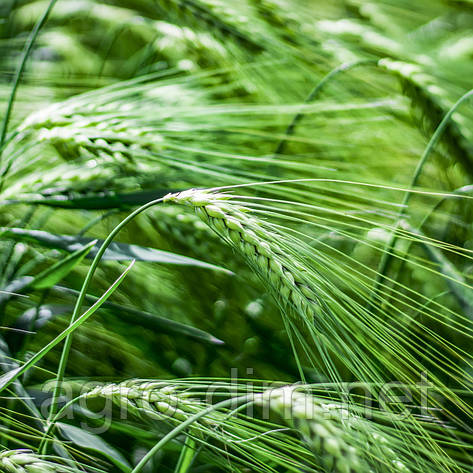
433,103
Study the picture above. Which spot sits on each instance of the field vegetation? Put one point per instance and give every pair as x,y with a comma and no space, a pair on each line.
236,236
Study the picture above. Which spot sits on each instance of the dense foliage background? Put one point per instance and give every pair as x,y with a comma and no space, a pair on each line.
334,245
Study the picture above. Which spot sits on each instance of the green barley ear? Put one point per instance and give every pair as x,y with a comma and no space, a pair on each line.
334,438
24,461
247,439
341,440
257,243
184,228
154,400
325,438
221,18
433,103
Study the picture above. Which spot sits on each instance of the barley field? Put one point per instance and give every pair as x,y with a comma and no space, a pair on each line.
236,236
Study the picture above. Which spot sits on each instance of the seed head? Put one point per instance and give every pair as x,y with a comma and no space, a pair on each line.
343,441
257,243
25,461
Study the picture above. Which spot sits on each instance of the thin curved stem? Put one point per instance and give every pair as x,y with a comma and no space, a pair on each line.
313,94
177,430
80,300
43,445
388,249
11,376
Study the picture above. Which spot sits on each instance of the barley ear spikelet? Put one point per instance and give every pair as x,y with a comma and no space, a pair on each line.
24,461
342,441
256,242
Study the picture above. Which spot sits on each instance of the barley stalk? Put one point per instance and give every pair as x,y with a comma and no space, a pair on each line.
24,461
248,235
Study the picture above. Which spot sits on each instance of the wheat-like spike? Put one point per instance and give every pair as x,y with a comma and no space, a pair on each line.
86,138
434,103
324,436
330,429
24,461
110,16
87,141
341,441
278,13
256,243
54,182
183,227
374,15
157,400
364,35
218,16
191,232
